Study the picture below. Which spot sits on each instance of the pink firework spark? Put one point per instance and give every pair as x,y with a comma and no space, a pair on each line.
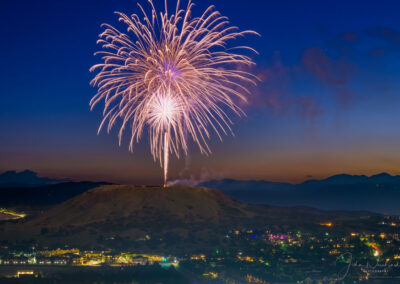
172,75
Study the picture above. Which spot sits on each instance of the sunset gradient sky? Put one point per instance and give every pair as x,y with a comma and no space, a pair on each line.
329,101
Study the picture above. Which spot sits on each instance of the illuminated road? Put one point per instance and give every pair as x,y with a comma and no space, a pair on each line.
6,214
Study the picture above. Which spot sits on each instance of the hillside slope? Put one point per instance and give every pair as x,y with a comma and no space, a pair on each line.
143,204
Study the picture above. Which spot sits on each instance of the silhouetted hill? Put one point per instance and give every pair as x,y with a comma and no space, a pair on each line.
341,179
25,178
378,193
28,197
178,219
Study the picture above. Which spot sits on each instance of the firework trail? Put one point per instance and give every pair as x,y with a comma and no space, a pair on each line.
173,76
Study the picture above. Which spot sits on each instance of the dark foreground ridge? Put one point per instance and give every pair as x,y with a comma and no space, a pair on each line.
174,219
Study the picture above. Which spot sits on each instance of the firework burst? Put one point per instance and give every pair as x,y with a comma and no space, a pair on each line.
173,76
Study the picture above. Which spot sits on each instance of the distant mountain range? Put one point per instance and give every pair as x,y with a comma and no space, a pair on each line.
47,195
379,193
25,178
27,190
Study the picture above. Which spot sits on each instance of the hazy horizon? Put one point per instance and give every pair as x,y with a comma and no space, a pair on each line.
200,179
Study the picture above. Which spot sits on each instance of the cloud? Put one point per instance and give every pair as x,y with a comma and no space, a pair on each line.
384,33
388,41
349,36
275,95
272,92
343,43
327,69
378,52
334,66
335,73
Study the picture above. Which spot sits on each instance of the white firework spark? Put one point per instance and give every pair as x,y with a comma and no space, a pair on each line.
172,75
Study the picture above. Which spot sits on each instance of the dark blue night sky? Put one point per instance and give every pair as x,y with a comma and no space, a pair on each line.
329,101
